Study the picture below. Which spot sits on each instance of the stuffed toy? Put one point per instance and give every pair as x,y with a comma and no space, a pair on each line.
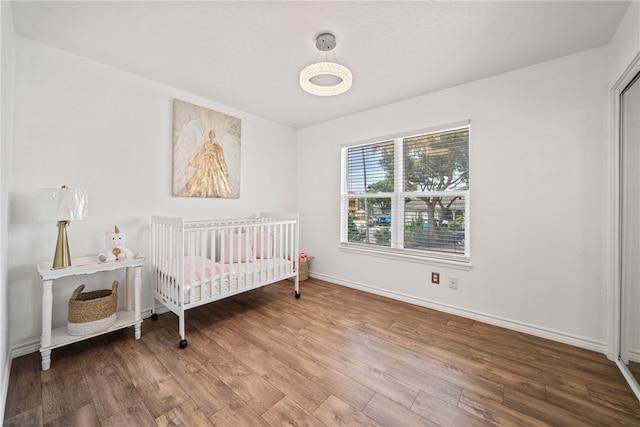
119,251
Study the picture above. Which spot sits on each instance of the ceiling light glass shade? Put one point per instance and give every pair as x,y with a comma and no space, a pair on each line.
325,68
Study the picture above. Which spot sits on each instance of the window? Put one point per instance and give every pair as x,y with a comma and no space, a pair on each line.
408,195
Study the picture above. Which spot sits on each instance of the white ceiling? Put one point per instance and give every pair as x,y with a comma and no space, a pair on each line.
248,55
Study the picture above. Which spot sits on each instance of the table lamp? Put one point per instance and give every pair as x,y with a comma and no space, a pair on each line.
63,205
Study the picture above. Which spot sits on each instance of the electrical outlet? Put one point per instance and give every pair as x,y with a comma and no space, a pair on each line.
435,278
453,282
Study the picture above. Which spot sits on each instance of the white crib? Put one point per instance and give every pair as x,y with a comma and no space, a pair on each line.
198,262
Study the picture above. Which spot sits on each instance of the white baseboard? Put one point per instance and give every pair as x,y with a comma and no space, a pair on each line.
25,348
633,355
562,337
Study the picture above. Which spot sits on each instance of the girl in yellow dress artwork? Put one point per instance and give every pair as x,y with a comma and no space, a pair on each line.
211,175
199,163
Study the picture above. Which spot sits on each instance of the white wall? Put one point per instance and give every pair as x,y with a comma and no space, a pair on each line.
625,44
6,126
86,125
539,199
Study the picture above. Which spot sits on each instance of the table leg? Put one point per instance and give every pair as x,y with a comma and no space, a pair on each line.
45,338
130,281
137,281
46,359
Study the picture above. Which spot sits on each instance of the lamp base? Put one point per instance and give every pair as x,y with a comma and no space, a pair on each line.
62,258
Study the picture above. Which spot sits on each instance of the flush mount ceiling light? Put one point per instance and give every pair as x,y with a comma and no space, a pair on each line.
325,70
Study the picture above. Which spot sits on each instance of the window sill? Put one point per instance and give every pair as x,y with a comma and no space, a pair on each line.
459,263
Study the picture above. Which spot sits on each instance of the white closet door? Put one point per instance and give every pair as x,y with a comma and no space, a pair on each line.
630,223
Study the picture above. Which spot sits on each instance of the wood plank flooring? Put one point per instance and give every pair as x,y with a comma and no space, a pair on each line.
335,357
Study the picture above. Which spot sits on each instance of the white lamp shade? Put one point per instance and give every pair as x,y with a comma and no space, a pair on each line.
62,204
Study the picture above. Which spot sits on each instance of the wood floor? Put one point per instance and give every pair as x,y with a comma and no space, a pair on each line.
335,357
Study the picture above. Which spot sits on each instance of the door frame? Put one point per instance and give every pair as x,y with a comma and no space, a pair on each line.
615,279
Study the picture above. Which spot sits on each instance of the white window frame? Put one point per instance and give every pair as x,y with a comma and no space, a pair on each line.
396,249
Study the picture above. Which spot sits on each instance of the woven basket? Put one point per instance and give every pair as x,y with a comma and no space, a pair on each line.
303,269
92,312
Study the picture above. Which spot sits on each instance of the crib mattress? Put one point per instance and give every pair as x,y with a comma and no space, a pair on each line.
232,277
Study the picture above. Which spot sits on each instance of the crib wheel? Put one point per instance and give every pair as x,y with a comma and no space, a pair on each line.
154,316
297,295
183,343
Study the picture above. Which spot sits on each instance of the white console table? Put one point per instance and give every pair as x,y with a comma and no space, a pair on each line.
59,337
